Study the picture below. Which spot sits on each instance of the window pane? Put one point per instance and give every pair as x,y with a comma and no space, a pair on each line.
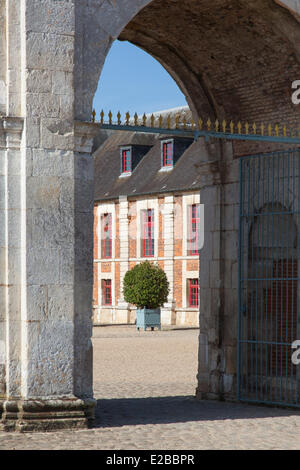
148,229
167,154
126,161
107,292
193,294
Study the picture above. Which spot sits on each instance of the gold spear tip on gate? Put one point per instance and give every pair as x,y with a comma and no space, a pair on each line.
93,115
119,118
102,116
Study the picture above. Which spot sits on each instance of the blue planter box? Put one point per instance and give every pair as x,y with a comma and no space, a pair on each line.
148,318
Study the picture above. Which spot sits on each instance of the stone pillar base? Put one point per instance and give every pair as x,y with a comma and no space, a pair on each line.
168,314
122,313
46,415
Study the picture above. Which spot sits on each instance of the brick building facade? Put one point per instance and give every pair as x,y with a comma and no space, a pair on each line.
148,207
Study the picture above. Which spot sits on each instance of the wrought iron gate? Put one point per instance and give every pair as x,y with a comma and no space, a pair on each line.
269,269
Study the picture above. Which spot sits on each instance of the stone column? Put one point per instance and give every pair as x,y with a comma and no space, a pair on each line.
217,365
46,176
168,315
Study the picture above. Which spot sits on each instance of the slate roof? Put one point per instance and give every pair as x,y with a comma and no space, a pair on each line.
147,177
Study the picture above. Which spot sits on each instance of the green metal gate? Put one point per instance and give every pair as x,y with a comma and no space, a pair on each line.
269,293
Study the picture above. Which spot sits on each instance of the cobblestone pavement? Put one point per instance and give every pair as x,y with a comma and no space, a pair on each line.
145,382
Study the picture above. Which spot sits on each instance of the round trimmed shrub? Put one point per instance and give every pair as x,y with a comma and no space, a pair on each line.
146,286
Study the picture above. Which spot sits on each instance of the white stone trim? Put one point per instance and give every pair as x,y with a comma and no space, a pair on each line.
187,200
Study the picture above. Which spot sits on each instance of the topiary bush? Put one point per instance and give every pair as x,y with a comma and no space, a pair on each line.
146,286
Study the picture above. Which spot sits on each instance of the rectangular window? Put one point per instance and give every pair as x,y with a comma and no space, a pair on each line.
193,292
106,236
148,233
194,229
126,161
167,149
106,289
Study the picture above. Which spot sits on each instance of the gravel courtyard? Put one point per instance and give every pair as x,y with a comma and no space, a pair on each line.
145,383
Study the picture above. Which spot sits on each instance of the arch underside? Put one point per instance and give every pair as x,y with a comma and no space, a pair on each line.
231,59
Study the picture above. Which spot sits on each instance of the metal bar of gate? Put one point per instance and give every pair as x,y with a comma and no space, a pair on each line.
269,278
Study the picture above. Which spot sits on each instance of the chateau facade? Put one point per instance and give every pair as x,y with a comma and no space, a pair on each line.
148,208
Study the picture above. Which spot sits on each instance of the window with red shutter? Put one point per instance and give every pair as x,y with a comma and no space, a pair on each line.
107,236
167,154
193,292
107,292
126,161
148,232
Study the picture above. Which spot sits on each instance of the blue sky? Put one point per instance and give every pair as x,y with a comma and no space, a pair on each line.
133,81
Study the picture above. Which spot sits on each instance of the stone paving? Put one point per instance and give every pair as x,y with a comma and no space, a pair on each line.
145,382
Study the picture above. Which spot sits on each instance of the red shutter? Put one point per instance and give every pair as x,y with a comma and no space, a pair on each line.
194,229
193,293
107,236
107,292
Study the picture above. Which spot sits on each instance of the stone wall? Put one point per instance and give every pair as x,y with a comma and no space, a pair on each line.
239,60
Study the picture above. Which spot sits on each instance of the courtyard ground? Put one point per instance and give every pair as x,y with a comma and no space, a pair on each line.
145,383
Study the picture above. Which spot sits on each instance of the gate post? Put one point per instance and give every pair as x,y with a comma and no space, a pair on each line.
46,216
217,361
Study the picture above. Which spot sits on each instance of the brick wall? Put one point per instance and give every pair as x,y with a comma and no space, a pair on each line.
173,266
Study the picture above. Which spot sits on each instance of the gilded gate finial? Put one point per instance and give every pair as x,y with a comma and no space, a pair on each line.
269,129
224,125
119,118
101,116
169,121
264,131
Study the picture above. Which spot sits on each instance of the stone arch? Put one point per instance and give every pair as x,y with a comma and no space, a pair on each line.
234,60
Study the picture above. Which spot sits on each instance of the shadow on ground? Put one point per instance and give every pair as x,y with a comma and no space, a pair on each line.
177,409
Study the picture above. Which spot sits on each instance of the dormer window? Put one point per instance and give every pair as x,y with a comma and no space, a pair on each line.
130,157
167,153
171,151
126,160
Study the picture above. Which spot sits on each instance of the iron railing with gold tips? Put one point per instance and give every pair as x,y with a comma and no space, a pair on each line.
179,125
